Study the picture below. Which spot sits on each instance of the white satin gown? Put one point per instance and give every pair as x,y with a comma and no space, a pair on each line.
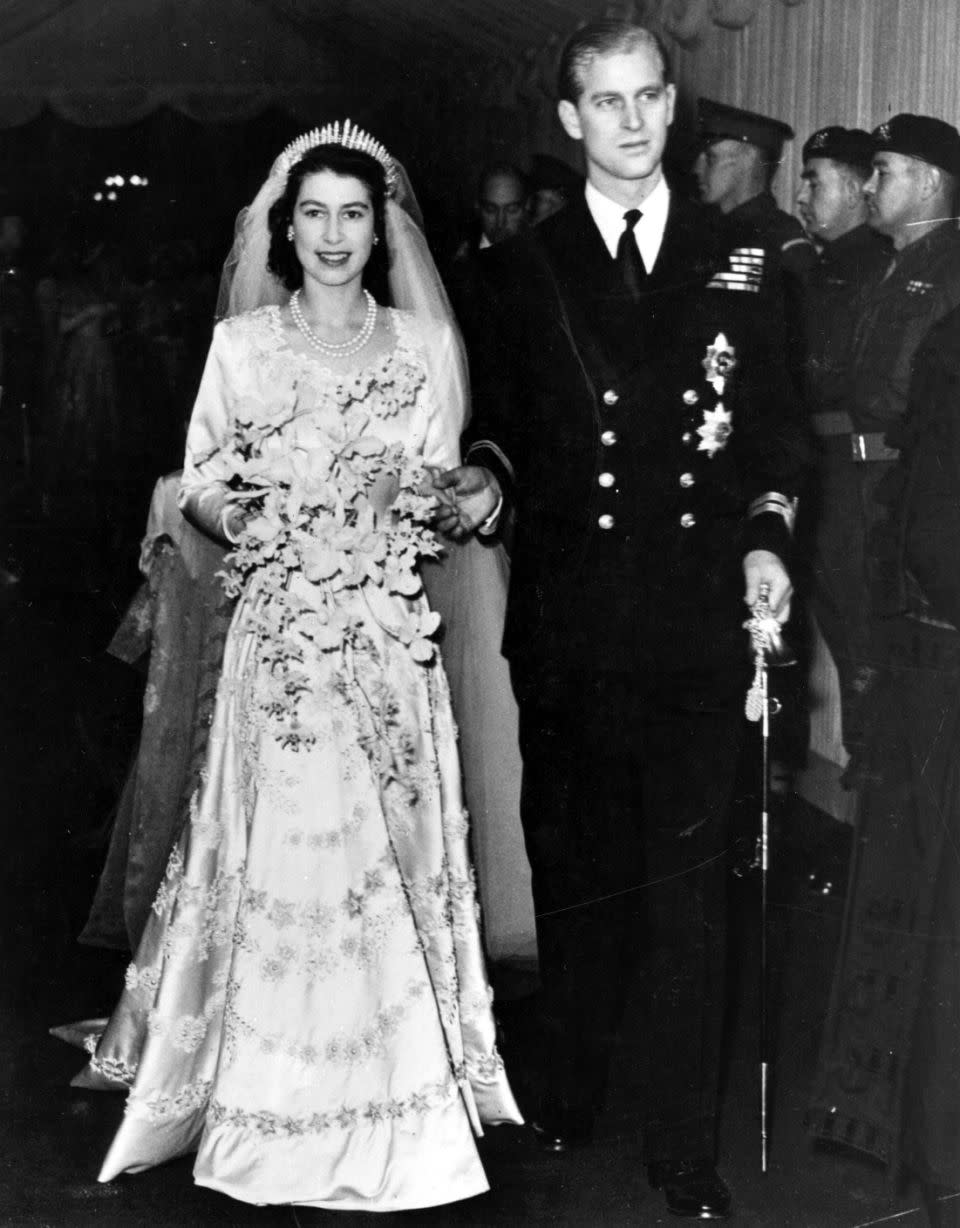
308,1008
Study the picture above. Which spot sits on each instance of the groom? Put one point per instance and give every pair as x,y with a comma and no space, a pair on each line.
632,409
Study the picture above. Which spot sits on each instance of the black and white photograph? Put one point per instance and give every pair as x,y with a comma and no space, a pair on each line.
480,613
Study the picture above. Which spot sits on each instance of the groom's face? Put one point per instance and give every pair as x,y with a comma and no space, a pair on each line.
622,115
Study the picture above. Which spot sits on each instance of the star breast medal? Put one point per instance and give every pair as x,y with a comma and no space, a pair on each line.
717,426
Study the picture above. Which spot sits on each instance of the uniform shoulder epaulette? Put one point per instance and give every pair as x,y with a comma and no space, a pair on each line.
744,271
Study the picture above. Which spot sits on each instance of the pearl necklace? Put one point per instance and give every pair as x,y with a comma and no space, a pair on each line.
341,349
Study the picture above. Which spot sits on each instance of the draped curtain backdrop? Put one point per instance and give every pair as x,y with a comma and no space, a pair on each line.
850,62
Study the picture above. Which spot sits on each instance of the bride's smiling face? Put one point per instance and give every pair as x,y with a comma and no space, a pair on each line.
333,227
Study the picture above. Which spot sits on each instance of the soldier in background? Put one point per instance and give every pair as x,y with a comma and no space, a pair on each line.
739,156
837,163
911,197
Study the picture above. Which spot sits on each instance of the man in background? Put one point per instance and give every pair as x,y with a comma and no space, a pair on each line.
739,156
911,200
502,210
837,163
503,204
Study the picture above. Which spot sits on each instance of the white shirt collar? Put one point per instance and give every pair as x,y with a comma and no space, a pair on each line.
608,216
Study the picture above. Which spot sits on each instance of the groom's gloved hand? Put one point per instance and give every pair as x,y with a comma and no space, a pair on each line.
764,567
469,501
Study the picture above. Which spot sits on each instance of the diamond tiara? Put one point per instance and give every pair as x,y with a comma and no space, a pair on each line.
349,136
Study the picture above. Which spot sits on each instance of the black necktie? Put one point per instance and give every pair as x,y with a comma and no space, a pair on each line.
629,260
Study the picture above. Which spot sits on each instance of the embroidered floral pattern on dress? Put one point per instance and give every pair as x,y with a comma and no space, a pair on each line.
274,1125
167,892
376,904
142,978
216,901
319,841
187,1032
160,1107
113,1068
207,826
342,1049
487,1068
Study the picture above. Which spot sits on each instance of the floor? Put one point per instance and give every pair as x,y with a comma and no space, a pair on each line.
67,724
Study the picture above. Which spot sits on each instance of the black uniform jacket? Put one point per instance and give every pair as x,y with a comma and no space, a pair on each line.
630,467
894,312
843,268
916,551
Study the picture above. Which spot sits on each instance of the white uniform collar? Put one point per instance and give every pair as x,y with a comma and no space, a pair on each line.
608,216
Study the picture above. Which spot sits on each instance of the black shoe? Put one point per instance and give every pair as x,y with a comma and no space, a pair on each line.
560,1131
692,1189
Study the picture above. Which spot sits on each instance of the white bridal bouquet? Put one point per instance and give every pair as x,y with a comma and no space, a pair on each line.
313,520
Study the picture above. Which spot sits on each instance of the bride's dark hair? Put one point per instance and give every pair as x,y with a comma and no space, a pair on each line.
282,258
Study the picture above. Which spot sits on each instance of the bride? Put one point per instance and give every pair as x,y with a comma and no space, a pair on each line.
308,1007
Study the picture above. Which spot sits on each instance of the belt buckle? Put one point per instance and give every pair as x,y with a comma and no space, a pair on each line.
858,447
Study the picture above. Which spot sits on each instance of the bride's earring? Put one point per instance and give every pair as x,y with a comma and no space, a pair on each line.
290,233
376,240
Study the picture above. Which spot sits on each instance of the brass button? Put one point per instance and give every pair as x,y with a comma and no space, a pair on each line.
610,397
606,479
606,521
686,480
608,438
691,396
688,520
686,437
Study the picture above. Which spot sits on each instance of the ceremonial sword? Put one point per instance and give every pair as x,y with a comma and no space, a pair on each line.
767,643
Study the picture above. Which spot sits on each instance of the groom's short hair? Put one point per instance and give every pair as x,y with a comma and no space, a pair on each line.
606,36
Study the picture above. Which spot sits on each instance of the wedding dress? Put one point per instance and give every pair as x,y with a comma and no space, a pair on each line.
308,1006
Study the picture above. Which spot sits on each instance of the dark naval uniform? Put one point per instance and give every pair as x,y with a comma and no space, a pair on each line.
646,445
893,313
